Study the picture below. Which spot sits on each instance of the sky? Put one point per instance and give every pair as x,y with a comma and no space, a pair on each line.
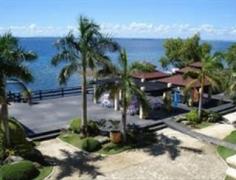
213,19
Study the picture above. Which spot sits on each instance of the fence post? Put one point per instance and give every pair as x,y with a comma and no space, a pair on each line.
40,95
62,92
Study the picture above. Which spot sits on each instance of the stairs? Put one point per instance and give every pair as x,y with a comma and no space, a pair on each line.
45,135
224,108
155,126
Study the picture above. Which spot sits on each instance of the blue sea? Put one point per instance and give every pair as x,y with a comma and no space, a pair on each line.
45,75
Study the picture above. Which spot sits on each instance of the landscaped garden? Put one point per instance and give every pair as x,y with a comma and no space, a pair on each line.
21,159
207,118
105,143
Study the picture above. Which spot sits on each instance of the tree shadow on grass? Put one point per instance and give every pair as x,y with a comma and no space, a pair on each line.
76,162
170,145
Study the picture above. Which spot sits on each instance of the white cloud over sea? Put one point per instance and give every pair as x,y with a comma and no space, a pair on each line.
133,29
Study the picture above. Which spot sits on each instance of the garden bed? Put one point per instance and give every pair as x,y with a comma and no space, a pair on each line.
226,152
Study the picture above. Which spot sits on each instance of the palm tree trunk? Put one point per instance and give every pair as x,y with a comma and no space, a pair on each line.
200,101
4,112
124,117
84,102
4,116
95,100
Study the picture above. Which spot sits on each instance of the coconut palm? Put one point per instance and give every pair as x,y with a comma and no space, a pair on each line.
230,78
122,81
12,58
206,75
80,54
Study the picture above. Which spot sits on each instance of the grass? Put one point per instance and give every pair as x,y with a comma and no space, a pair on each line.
108,149
201,125
225,152
112,148
44,172
73,139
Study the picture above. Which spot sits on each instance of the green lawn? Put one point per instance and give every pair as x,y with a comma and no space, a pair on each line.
202,125
71,138
112,148
109,148
225,152
44,172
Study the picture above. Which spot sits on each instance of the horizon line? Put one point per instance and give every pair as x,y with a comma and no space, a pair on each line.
147,38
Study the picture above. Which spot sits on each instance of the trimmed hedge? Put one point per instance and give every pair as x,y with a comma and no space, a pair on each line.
90,144
19,171
75,125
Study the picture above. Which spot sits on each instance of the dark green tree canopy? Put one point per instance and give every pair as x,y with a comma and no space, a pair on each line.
181,52
12,57
230,57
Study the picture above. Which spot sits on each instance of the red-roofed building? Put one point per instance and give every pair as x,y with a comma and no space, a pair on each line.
186,69
178,80
150,75
196,65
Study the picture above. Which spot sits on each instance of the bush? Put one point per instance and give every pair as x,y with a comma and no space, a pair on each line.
214,117
75,125
192,117
19,171
93,129
19,143
90,144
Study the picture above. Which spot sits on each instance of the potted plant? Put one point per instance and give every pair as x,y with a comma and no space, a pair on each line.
115,134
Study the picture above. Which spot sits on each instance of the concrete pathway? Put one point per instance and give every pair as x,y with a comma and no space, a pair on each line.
176,156
208,135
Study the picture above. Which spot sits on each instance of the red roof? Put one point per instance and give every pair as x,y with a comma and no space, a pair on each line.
150,75
186,69
196,65
178,80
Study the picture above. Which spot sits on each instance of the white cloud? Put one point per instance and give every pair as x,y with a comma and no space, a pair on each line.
133,29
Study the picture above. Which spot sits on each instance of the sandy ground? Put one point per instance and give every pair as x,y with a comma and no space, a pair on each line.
175,156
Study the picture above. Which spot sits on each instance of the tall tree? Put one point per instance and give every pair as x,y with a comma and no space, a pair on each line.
123,82
230,72
81,53
208,74
12,58
182,52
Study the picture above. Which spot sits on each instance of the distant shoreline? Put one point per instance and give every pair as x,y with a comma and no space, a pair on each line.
123,38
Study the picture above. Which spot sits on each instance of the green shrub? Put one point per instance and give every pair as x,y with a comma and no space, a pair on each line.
192,117
19,171
75,125
90,144
19,143
214,117
93,129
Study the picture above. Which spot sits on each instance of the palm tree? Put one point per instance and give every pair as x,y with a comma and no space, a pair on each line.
123,82
80,54
206,75
230,72
12,57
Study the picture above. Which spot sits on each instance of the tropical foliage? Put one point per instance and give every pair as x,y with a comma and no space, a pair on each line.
13,70
182,52
80,53
230,72
124,83
206,75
